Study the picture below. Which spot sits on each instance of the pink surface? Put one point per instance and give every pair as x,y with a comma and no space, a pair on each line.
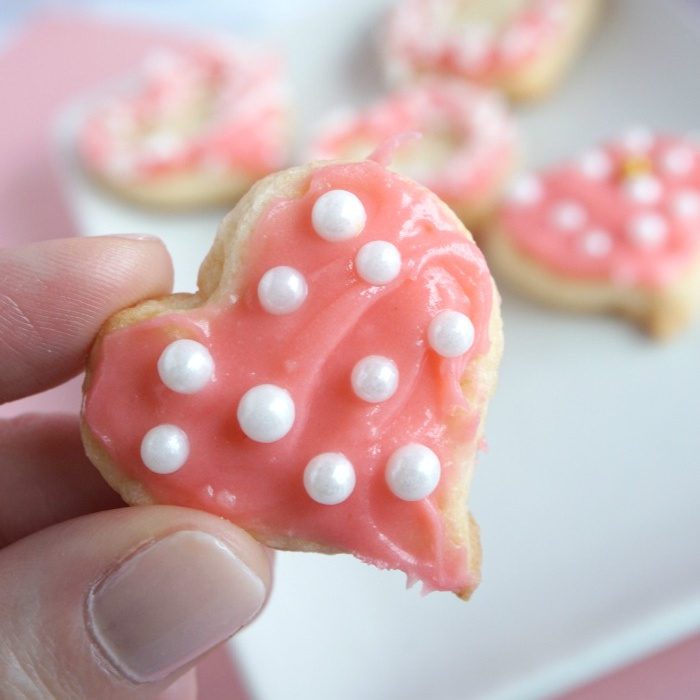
310,353
673,674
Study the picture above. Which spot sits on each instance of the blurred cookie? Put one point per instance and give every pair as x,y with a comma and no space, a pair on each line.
467,148
522,47
195,127
617,229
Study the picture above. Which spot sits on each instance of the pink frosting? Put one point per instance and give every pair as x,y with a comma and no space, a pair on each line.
427,35
476,121
211,107
627,211
311,353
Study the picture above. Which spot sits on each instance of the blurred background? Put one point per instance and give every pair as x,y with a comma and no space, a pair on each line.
588,496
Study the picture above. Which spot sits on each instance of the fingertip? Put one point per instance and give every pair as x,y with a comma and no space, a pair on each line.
133,255
143,592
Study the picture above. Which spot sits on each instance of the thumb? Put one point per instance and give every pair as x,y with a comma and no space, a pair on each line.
119,604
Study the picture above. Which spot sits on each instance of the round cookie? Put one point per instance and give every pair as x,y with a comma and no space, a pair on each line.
323,410
196,127
466,151
616,229
522,47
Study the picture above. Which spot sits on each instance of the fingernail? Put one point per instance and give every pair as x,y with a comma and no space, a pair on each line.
170,602
135,236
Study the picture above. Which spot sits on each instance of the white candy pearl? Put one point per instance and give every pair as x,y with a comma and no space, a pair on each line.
678,160
378,262
686,204
568,215
451,333
165,448
329,478
338,215
413,472
648,230
375,378
596,164
266,413
644,189
637,139
282,290
597,243
185,366
526,190
162,145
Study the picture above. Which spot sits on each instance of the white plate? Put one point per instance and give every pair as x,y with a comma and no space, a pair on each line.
588,497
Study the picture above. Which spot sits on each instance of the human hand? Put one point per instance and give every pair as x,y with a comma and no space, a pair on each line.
98,600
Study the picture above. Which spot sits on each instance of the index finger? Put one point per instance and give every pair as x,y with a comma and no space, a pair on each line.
55,295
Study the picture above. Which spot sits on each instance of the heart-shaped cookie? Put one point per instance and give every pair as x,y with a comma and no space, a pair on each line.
195,127
326,387
615,229
467,150
522,47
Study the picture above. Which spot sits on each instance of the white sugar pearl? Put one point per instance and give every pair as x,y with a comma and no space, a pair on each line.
378,262
338,215
451,333
165,448
185,366
266,413
162,145
375,378
648,230
282,290
596,164
644,189
413,472
568,215
678,160
686,204
329,478
527,189
637,139
596,243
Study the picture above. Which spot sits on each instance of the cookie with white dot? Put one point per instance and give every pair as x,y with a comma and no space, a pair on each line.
459,140
325,388
615,229
523,49
169,138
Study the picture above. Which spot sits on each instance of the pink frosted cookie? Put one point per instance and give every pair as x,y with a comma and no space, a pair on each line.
326,387
196,127
466,150
520,46
617,229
